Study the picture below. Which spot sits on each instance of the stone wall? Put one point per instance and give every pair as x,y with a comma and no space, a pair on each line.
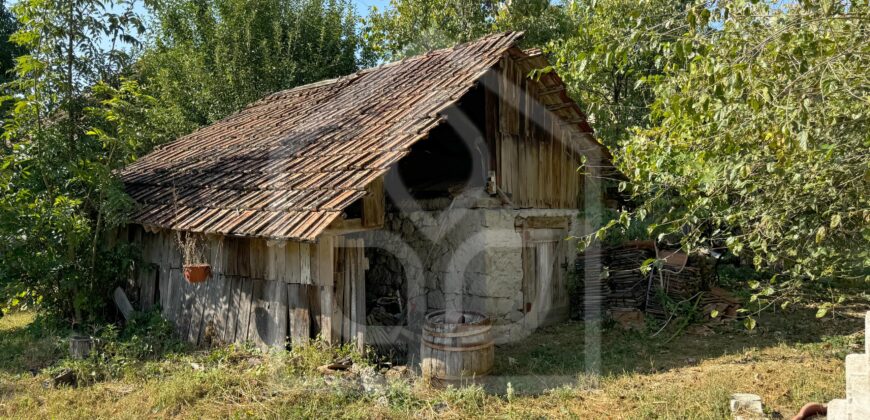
465,258
856,405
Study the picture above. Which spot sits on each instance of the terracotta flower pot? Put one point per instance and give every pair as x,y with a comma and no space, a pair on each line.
197,273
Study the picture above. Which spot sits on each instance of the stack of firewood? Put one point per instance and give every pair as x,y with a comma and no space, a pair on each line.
626,288
721,301
674,284
628,285
591,298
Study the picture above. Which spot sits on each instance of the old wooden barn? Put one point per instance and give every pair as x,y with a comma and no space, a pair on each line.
444,179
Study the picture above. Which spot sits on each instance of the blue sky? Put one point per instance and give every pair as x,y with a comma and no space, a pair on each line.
363,6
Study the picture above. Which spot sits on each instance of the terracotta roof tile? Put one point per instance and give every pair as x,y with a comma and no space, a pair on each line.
285,166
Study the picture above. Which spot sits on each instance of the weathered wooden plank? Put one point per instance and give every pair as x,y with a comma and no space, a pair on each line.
347,287
314,313
544,273
214,316
166,286
198,295
185,299
322,269
300,318
245,293
123,303
338,307
374,204
258,258
529,286
243,257
274,253
258,322
294,264
304,263
146,279
232,307
277,310
359,291
324,260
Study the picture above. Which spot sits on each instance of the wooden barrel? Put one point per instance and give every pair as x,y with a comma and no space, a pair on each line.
459,349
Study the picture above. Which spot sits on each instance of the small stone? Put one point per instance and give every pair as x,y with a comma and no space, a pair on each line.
746,406
371,380
398,373
66,377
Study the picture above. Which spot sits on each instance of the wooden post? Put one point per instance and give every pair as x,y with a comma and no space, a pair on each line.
374,204
359,287
322,273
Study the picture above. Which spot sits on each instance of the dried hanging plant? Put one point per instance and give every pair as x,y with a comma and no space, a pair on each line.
192,245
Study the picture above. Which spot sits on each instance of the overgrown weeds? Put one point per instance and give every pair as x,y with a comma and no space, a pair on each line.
139,371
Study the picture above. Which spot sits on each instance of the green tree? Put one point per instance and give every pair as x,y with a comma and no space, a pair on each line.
210,58
411,27
8,50
614,46
72,123
759,138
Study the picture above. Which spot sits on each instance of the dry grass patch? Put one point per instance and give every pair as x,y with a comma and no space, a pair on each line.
790,360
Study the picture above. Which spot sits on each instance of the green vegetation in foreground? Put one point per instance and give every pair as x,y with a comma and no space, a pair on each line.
790,359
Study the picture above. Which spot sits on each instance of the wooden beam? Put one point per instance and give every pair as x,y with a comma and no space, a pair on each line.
346,226
557,89
542,222
374,204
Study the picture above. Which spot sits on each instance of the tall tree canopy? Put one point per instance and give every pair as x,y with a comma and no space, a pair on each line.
232,52
411,27
72,122
614,45
8,49
759,138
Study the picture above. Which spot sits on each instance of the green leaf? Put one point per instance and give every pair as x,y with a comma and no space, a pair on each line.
822,311
749,323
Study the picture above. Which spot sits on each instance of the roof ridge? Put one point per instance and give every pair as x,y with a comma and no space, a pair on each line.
515,34
285,165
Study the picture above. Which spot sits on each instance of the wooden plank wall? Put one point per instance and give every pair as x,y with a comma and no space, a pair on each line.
269,294
349,313
534,163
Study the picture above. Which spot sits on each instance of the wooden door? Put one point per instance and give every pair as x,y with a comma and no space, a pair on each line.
349,312
544,287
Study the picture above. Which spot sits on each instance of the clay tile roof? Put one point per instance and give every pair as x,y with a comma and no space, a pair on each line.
285,166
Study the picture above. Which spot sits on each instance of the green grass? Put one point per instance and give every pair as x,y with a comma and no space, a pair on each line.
791,359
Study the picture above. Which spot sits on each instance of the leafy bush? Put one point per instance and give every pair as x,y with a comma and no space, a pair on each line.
120,352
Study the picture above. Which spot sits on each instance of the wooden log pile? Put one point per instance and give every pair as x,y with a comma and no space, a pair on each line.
591,298
674,284
625,288
386,322
628,285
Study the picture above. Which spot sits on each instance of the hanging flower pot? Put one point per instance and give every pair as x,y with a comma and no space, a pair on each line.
197,273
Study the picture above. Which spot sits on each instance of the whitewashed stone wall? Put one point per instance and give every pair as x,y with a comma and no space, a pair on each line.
856,405
464,258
